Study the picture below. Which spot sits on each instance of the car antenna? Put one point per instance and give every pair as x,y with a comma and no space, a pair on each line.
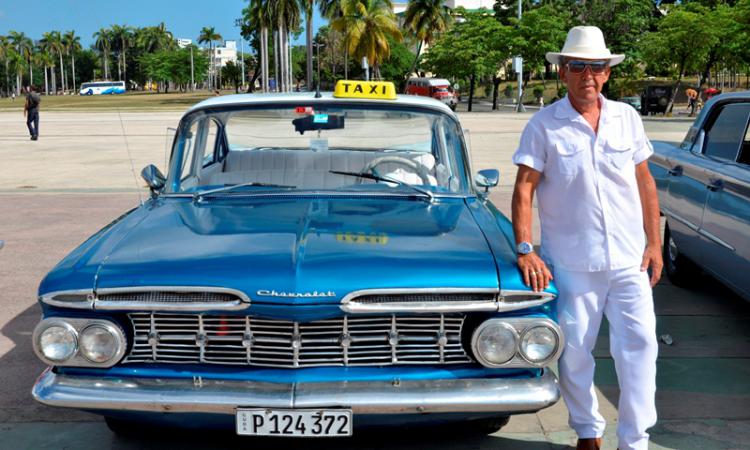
317,90
130,157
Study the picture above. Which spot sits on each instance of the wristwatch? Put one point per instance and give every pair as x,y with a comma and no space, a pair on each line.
524,248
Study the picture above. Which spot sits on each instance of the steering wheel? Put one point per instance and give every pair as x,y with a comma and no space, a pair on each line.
415,167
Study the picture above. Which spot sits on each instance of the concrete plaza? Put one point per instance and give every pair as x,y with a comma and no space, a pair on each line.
78,177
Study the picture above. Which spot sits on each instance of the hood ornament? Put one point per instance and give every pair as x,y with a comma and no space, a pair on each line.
313,294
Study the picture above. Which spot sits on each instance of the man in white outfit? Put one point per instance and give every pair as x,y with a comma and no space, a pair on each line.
585,158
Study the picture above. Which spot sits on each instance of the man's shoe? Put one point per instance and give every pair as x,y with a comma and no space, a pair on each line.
589,444
34,138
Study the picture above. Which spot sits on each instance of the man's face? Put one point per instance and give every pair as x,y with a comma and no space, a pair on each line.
584,78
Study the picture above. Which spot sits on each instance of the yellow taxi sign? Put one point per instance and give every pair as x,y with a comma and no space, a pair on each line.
381,90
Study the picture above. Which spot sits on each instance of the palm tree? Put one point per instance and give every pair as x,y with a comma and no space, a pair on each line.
25,49
426,19
5,49
104,43
47,46
45,59
287,15
307,6
209,35
72,45
153,39
259,18
366,24
58,46
19,64
123,35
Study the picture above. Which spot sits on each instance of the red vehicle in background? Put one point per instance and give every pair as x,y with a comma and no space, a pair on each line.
437,88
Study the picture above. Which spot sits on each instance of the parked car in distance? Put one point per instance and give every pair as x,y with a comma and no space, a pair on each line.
312,263
633,101
655,99
437,88
704,192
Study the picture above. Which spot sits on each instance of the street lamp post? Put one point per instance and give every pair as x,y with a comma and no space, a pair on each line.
519,71
317,46
238,23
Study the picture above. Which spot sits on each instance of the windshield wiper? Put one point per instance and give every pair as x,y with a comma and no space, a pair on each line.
200,195
369,176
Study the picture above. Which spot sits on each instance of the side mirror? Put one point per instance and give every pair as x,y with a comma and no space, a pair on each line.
488,178
154,179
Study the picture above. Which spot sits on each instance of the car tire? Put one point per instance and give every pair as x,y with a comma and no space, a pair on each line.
477,426
680,270
125,428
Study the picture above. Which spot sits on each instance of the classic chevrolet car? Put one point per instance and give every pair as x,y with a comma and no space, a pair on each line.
311,264
704,192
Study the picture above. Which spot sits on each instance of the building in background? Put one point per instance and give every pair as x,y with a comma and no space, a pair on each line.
182,43
399,6
222,55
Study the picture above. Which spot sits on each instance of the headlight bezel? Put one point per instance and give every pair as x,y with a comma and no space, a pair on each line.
78,325
558,340
55,324
112,330
482,328
521,325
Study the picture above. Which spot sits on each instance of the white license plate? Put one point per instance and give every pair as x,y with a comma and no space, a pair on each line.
294,422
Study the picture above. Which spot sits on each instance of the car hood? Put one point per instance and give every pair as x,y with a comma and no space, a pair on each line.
301,246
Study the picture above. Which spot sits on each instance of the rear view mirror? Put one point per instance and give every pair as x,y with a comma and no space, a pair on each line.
154,179
316,122
488,178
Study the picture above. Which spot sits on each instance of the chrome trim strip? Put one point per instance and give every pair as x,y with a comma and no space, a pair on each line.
49,299
165,395
78,325
681,219
716,239
243,303
500,304
521,324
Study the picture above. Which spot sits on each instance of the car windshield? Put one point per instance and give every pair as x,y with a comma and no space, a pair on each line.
318,147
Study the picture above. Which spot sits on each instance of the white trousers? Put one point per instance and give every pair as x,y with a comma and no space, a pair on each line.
625,297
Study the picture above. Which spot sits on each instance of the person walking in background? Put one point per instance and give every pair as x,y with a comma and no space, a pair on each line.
585,158
31,111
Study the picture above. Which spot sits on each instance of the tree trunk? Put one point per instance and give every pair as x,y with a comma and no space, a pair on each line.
31,72
472,82
276,58
309,31
62,72
7,78
124,66
264,58
416,59
73,59
54,80
46,82
495,88
670,105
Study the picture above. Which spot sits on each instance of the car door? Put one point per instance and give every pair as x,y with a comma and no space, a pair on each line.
726,219
686,196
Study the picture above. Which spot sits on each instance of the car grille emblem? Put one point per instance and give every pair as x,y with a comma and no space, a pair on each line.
313,294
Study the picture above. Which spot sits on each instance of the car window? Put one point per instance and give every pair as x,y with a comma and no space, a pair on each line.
186,168
744,157
725,136
209,154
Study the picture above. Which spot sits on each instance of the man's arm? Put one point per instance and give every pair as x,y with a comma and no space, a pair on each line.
650,204
535,272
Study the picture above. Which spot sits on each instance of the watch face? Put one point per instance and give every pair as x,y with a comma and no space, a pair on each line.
525,248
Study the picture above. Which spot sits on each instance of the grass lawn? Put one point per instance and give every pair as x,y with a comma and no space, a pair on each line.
131,101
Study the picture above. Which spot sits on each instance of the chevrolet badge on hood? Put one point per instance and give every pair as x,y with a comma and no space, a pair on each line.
313,294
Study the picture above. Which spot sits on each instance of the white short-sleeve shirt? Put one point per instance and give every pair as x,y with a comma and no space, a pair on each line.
589,205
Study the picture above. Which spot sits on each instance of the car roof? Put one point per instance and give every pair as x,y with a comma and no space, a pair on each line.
309,98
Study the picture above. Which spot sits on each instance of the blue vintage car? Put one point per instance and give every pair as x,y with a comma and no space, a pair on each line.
312,263
704,192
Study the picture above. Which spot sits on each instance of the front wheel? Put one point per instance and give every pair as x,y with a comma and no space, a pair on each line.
680,270
477,426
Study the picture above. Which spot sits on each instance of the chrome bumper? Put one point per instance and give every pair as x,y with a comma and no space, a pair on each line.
487,395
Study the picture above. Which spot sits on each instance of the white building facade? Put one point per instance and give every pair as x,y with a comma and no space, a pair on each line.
222,55
399,6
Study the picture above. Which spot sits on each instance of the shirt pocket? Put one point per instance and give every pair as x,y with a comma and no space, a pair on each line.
570,157
618,154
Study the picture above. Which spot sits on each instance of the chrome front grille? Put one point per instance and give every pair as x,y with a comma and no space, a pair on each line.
426,297
169,297
345,341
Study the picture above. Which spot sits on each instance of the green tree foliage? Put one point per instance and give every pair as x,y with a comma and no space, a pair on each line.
398,65
473,49
174,66
540,30
232,73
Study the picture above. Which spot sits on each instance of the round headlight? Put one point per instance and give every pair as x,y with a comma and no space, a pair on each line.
538,343
494,343
99,343
58,343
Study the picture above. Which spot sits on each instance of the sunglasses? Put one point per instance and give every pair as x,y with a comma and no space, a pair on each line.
580,66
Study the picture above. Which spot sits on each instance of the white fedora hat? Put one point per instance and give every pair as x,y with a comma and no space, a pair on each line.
586,43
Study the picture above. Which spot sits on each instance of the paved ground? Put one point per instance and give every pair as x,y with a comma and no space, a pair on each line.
81,174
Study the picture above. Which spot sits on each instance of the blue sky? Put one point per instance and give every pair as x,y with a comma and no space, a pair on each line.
184,18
